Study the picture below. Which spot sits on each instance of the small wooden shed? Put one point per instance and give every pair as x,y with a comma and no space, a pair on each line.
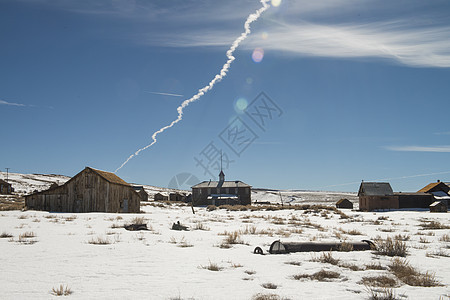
344,203
177,197
142,193
160,197
438,206
5,188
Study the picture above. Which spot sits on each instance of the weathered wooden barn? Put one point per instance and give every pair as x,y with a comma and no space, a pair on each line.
160,197
439,190
376,195
435,187
221,192
90,190
142,193
177,197
379,196
5,188
438,206
413,200
344,203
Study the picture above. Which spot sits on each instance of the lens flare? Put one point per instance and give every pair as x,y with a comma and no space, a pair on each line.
249,80
264,35
258,55
240,105
276,3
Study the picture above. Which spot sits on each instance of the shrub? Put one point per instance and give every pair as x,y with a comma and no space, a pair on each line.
61,291
391,247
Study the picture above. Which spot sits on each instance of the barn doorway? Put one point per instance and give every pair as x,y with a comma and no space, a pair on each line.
125,205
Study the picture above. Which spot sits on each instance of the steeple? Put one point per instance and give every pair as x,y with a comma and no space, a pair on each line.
221,174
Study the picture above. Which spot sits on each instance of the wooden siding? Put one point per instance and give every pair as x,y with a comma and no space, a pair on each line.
86,192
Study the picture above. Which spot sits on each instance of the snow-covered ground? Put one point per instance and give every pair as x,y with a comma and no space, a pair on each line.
168,264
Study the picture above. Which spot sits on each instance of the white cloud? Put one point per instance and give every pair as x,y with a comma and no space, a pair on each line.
2,102
417,35
419,148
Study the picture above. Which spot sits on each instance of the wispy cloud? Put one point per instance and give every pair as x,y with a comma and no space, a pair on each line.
416,36
419,148
3,102
442,133
164,94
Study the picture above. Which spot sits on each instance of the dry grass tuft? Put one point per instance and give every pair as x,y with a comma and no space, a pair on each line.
375,266
391,247
439,252
138,221
61,291
27,235
270,286
294,263
322,275
212,267
383,294
5,235
401,237
200,226
99,241
261,296
379,281
326,257
411,276
345,247
232,238
432,225
445,238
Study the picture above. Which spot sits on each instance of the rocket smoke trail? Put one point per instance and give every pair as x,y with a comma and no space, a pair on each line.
223,72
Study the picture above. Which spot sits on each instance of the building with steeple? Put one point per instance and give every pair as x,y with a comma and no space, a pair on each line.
221,192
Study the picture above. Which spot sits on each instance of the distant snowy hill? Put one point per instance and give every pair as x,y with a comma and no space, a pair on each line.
28,183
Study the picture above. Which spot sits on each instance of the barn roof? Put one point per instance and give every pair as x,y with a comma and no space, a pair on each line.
431,186
343,200
4,182
108,176
375,189
225,184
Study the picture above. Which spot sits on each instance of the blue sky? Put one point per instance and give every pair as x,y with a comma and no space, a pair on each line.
362,90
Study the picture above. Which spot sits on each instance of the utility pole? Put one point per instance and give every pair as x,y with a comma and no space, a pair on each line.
7,172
